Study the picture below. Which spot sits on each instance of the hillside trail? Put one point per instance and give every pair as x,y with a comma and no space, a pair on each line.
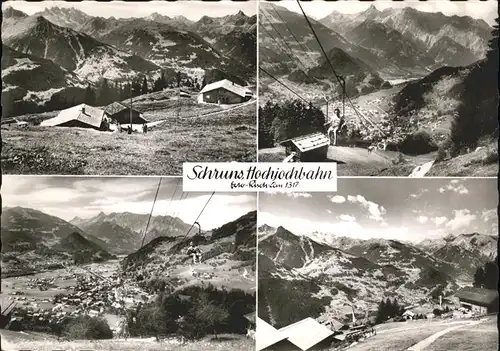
421,171
211,114
421,345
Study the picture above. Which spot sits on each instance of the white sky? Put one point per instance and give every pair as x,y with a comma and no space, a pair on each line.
67,197
192,10
486,10
414,210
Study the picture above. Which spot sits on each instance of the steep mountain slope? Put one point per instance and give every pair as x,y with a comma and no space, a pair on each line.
162,44
358,75
466,252
118,239
35,227
64,17
228,254
335,279
389,44
132,225
285,22
422,29
81,249
74,51
11,13
30,83
448,52
233,35
34,241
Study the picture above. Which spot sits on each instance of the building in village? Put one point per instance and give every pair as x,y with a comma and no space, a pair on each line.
121,114
307,148
82,115
224,92
478,300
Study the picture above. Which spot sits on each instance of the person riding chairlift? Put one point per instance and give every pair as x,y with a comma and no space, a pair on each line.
336,127
195,252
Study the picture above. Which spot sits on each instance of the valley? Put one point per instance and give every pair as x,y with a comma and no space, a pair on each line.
408,81
342,271
109,270
58,58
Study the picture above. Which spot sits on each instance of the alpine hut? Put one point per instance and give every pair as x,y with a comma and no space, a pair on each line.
82,115
307,148
224,92
121,113
478,300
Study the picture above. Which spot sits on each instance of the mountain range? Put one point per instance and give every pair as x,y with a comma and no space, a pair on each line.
33,240
119,49
395,43
340,273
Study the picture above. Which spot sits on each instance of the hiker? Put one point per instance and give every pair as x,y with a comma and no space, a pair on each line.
195,252
145,128
129,130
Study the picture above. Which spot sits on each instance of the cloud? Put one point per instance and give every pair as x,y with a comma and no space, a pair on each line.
414,196
488,215
338,199
455,187
462,220
347,218
329,211
422,219
375,211
301,226
439,220
296,195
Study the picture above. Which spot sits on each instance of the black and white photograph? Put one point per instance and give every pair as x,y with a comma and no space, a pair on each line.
126,88
365,270
134,263
383,88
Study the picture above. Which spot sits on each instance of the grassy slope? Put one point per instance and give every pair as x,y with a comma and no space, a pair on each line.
224,137
38,341
400,336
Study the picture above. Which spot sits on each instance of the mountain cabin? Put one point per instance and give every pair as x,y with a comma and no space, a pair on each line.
224,92
307,148
121,113
478,300
83,116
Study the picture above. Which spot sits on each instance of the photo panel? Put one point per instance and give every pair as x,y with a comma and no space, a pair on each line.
134,262
122,88
383,88
365,269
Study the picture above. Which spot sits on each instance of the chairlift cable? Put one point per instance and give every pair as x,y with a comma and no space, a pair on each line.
286,44
195,221
151,213
278,45
283,84
331,66
173,195
304,46
171,223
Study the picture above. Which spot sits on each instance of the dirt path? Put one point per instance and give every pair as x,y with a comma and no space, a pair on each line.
421,171
426,342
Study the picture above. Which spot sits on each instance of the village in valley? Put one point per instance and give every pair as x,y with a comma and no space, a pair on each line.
357,270
84,94
380,89
169,275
